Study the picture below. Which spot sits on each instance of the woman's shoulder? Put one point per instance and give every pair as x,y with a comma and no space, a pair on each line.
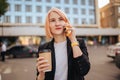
45,45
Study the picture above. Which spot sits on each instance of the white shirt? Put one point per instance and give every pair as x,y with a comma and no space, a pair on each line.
61,70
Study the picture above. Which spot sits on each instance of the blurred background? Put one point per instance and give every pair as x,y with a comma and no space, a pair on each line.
22,31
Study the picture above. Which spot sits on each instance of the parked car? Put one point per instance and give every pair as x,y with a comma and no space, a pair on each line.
117,60
113,50
20,51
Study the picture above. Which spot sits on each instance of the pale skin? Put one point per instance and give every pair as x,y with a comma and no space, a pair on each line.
57,24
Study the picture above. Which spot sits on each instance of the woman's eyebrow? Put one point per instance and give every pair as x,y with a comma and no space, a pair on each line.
52,18
60,17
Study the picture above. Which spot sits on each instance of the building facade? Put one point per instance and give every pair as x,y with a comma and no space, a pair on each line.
110,18
110,15
33,12
27,17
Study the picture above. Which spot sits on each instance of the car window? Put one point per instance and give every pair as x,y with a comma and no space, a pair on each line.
15,48
25,48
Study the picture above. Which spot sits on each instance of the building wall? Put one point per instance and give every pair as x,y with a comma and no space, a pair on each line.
110,15
33,12
113,1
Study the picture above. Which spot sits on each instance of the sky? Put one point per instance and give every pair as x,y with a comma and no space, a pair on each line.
101,3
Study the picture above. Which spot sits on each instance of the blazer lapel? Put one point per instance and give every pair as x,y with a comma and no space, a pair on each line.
50,75
70,54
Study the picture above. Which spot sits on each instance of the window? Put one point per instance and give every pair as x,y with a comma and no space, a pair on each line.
119,22
17,0
17,19
92,21
83,11
58,7
48,0
84,21
39,19
57,1
67,10
66,1
75,1
38,9
28,0
38,0
91,2
119,9
91,11
28,19
48,8
28,8
7,19
8,8
17,7
82,2
76,21
75,10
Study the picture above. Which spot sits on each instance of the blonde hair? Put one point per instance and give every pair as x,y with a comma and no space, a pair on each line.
47,25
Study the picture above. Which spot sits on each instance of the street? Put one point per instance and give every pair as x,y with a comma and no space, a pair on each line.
18,69
102,67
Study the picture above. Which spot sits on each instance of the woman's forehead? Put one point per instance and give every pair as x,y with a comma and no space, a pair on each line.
54,14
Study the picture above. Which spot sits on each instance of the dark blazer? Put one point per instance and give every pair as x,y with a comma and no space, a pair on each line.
77,67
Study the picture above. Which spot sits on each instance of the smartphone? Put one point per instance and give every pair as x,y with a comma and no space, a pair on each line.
67,32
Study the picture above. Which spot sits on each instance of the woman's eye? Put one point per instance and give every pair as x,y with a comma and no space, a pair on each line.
61,19
52,20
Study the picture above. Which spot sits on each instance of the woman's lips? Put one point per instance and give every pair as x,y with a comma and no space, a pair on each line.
58,28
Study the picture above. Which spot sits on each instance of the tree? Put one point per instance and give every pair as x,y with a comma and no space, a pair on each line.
3,7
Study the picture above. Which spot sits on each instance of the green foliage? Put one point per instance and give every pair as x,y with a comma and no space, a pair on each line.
3,7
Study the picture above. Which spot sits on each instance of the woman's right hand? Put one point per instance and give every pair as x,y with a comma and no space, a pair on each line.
42,65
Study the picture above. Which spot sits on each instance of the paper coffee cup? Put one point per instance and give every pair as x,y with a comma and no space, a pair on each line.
47,55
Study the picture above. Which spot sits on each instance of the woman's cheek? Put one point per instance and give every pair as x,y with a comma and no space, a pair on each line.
52,29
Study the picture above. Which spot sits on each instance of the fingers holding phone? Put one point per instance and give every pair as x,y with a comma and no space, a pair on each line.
68,29
70,32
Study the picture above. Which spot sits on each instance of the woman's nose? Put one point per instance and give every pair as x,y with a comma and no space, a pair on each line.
57,23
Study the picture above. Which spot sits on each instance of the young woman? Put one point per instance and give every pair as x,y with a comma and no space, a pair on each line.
69,56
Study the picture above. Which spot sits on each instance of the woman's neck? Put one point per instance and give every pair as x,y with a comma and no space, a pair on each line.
59,39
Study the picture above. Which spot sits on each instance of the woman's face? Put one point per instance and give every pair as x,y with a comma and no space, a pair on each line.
56,24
